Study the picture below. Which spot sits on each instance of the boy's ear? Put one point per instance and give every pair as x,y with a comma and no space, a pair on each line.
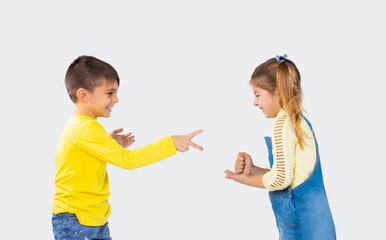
81,94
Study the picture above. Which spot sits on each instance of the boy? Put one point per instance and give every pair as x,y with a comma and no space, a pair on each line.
81,208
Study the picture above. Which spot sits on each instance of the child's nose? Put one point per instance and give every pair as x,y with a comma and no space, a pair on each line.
116,100
255,103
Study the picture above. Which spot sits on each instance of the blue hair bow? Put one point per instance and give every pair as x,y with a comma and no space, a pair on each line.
280,60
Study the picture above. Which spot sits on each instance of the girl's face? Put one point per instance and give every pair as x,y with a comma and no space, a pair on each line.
267,102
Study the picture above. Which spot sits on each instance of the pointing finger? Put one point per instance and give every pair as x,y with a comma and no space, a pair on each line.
195,133
195,145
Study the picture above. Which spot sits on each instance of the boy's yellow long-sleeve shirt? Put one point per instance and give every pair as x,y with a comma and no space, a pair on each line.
81,182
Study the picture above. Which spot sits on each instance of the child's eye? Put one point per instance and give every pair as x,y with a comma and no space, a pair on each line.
109,93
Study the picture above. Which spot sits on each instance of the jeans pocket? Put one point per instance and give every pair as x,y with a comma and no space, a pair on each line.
285,212
288,212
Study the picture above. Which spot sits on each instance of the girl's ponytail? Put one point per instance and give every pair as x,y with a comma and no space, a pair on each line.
290,93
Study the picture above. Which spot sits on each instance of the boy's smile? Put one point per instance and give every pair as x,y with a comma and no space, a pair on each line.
100,102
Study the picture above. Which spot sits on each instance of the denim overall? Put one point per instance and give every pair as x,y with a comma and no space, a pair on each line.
303,212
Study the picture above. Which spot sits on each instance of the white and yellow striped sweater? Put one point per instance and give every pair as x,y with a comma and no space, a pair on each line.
291,164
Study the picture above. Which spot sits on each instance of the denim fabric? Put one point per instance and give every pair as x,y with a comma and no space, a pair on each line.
67,227
303,212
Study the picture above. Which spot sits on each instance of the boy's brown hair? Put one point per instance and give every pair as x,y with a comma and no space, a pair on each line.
88,72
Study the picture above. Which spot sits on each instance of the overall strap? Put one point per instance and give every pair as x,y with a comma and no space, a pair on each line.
268,142
313,133
309,124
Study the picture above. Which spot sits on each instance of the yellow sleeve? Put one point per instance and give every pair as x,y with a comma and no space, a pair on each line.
283,146
102,146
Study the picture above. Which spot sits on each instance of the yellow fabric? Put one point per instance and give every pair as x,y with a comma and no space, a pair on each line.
292,165
81,182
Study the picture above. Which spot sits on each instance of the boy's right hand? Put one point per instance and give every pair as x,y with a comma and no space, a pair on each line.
182,142
124,140
243,163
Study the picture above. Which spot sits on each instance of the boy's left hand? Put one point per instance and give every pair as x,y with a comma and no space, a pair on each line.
124,140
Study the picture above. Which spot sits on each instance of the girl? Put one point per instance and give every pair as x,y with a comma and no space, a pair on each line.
295,181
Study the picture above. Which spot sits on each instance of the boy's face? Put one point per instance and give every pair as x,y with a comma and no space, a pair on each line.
102,99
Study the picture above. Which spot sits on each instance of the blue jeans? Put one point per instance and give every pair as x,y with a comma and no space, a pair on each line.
67,227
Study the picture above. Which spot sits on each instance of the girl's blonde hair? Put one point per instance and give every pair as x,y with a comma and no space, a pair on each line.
282,74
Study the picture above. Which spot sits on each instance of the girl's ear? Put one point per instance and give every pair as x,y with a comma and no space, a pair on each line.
277,98
276,92
81,94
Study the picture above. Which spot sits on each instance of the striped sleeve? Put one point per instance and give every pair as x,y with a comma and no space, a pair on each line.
283,146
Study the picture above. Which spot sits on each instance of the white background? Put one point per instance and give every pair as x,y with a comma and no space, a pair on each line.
185,65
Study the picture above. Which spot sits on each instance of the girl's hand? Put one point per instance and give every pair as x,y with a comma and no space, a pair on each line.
238,177
124,140
243,163
243,178
247,173
182,142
